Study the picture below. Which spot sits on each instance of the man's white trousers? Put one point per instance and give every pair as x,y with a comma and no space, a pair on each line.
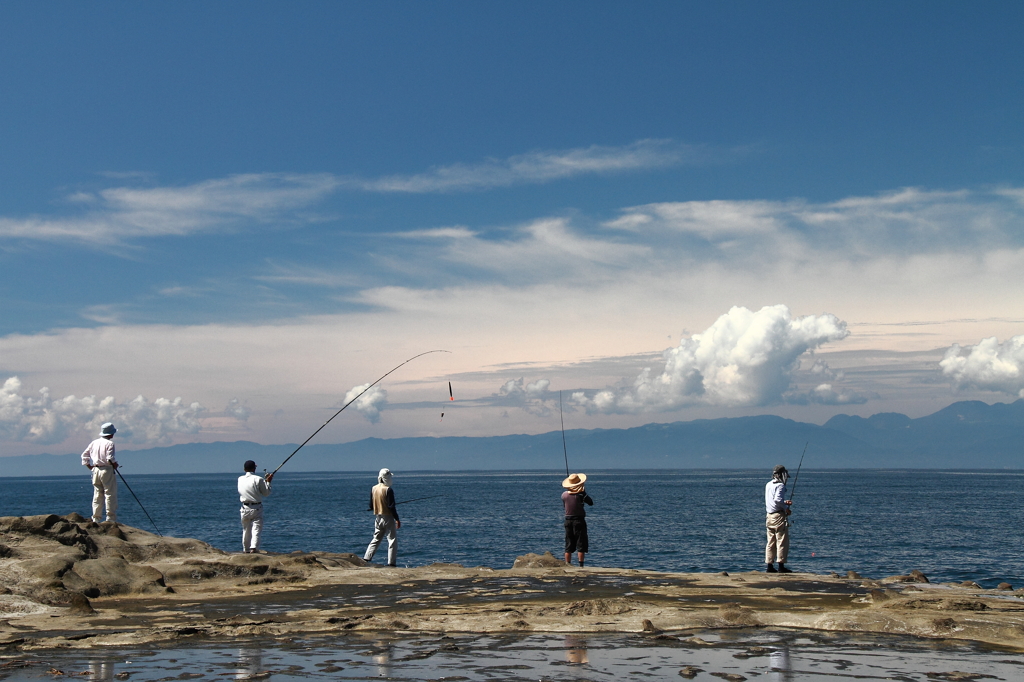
252,524
104,489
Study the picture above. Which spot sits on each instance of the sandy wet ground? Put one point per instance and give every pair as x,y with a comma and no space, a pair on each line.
742,654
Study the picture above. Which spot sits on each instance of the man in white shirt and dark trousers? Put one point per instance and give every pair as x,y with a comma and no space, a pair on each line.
778,508
251,491
99,457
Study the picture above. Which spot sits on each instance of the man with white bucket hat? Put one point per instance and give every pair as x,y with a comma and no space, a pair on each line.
99,457
385,520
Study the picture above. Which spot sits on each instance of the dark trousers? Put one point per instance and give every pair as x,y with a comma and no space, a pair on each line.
576,539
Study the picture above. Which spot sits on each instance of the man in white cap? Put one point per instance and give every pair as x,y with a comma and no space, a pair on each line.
99,457
385,522
573,499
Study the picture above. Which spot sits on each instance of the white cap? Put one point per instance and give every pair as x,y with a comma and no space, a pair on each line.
107,429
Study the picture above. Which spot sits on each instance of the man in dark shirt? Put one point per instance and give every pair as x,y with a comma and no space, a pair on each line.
573,499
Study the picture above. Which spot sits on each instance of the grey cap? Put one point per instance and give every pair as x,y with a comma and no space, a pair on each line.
779,469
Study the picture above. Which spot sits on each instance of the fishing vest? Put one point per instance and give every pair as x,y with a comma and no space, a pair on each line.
379,495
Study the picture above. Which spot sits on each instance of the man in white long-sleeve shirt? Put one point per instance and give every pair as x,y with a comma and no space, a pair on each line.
251,491
99,457
778,508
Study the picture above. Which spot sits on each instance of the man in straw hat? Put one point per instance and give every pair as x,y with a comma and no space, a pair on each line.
778,508
99,457
385,520
574,497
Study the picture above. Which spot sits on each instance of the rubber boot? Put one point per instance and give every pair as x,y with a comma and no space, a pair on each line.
771,569
783,569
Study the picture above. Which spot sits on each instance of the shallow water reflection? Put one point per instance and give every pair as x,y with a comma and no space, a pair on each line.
776,655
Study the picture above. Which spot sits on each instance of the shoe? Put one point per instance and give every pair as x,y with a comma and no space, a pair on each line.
392,565
770,569
783,569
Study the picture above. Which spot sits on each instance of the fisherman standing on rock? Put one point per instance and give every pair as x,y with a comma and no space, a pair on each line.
251,491
573,499
99,457
385,520
778,508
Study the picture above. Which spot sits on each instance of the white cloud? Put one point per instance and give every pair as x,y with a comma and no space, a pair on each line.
370,403
120,213
899,223
47,420
825,394
745,358
541,166
988,366
238,410
531,398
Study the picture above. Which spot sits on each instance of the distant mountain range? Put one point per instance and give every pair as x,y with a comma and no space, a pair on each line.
965,435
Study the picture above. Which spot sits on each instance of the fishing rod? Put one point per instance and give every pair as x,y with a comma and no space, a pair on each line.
431,497
562,421
417,499
352,401
796,479
137,500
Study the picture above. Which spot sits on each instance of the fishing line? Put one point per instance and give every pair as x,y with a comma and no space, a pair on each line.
415,499
564,451
140,503
352,401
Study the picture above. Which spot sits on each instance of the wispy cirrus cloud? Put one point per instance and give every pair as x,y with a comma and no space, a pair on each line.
117,214
542,166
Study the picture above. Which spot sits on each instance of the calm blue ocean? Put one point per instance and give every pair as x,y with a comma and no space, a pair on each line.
950,525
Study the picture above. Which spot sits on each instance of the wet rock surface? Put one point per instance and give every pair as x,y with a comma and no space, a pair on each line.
69,582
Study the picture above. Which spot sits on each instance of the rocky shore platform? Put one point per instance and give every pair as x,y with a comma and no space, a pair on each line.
66,582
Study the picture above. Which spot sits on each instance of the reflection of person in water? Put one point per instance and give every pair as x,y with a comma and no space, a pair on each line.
250,660
576,650
779,667
382,657
101,670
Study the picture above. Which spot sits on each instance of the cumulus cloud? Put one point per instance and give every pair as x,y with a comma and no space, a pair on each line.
989,366
745,358
47,420
531,398
237,410
825,394
370,403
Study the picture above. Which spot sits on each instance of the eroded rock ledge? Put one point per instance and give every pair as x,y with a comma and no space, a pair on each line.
68,582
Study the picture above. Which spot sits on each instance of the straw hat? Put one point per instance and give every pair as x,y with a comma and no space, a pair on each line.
574,480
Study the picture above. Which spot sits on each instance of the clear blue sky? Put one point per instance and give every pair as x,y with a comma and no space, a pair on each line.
257,206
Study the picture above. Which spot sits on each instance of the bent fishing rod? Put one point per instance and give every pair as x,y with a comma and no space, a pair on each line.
118,470
352,401
562,421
